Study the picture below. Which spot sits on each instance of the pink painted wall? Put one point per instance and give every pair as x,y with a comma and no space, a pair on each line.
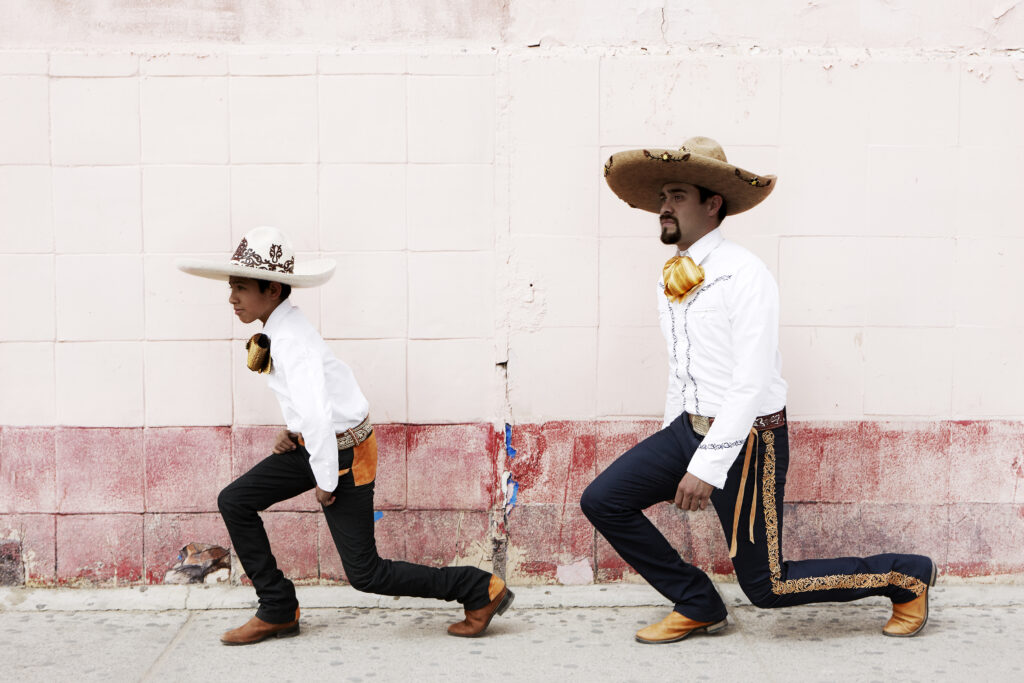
488,276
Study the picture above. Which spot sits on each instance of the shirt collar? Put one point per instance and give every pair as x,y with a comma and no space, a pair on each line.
277,317
700,249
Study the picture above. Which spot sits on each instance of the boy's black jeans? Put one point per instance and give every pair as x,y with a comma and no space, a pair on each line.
350,519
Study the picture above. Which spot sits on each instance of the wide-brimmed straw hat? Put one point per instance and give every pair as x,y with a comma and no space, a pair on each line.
638,175
265,253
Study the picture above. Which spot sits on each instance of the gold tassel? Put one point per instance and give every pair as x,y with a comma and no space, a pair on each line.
681,275
743,487
258,359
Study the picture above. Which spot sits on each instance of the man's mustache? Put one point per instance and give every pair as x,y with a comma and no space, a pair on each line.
670,217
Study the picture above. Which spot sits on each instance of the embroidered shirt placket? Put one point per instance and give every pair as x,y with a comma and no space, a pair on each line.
686,334
675,345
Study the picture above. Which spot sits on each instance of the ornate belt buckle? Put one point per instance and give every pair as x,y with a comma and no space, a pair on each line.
701,424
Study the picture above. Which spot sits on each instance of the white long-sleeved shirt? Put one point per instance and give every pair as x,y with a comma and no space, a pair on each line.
723,351
318,393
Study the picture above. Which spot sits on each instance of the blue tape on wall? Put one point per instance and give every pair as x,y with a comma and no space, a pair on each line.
508,441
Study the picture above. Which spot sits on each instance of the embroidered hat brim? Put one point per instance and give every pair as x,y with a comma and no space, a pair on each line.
264,253
309,274
638,175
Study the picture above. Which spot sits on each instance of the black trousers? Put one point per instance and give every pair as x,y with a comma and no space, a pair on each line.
650,472
350,519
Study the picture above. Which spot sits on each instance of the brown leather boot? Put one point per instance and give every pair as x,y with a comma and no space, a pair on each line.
477,620
256,630
675,627
908,618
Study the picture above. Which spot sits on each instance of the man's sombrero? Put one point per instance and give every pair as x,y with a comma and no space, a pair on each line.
638,175
264,253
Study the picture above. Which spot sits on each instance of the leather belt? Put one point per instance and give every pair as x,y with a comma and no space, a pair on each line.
702,424
350,438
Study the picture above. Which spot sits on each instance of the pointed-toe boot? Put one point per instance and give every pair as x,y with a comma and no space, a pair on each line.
908,618
255,630
477,620
675,627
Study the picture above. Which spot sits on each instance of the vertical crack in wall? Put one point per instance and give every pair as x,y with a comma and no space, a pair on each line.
503,293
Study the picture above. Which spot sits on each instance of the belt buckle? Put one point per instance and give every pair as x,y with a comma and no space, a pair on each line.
701,424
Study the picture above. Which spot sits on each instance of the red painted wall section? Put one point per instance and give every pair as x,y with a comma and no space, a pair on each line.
28,470
100,470
100,548
37,534
186,467
450,467
114,506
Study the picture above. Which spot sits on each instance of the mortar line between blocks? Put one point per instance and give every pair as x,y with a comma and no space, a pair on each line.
178,637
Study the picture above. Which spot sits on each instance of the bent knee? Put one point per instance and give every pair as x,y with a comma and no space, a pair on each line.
365,577
760,594
226,500
363,581
591,502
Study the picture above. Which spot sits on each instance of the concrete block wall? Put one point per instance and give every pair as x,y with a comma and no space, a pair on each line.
486,275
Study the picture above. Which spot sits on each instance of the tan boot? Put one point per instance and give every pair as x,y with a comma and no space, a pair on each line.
908,618
256,630
477,620
675,627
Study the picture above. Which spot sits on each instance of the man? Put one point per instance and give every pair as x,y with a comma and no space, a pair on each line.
718,308
329,446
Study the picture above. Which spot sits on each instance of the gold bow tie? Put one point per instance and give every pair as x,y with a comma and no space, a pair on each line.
258,360
681,275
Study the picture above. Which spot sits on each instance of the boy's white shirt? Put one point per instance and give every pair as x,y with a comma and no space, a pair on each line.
318,393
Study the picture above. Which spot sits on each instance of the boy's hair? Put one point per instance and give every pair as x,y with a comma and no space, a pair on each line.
285,289
706,194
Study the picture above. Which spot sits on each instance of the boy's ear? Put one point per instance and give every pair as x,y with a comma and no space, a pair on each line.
275,289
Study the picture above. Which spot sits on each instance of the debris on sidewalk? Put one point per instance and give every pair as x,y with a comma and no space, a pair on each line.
200,563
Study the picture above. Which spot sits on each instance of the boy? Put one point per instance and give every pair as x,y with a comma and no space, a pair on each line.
328,445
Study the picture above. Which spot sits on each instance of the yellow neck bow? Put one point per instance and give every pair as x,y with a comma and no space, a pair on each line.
258,359
681,275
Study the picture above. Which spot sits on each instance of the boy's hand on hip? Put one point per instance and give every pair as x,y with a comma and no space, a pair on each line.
284,442
325,498
693,493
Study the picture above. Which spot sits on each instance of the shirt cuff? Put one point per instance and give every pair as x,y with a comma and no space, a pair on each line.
710,470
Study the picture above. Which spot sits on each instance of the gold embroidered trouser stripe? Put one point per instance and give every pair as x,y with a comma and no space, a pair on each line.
811,583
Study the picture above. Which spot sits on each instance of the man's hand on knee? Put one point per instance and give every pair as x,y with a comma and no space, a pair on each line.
693,493
284,442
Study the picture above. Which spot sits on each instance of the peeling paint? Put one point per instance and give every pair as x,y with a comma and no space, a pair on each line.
1000,11
510,491
576,574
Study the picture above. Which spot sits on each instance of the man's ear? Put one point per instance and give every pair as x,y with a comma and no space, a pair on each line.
714,204
275,289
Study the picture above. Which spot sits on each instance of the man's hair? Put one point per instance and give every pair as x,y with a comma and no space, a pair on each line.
285,289
706,194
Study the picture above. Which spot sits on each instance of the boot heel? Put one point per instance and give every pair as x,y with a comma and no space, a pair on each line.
506,602
288,632
717,626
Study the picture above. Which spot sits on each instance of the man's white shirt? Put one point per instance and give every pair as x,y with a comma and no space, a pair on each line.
318,393
723,351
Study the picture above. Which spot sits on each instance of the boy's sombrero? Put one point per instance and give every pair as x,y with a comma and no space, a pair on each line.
265,253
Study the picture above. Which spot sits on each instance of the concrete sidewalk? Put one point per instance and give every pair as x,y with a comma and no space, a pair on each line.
170,633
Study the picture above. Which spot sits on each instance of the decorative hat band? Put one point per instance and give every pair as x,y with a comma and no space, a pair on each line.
246,256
